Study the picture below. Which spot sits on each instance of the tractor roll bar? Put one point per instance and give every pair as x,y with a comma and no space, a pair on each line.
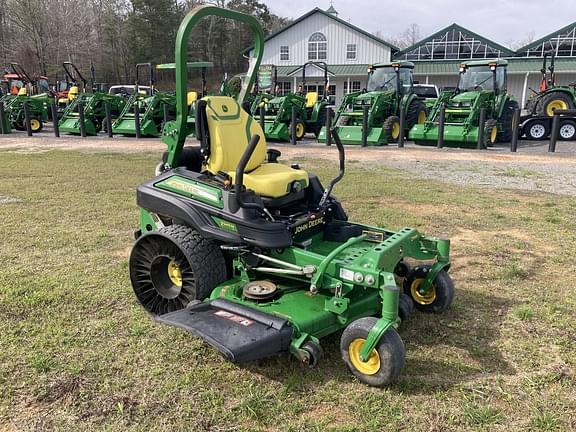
181,54
321,64
150,74
73,73
21,72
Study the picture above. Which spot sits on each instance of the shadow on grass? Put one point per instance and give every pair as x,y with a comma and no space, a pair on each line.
443,350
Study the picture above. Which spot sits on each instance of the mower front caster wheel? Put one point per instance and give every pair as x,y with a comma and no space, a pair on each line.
386,360
437,298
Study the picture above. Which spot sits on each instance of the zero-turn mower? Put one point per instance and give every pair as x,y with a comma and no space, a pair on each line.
390,86
258,258
481,85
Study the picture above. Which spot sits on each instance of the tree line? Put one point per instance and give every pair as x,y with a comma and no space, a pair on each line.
115,35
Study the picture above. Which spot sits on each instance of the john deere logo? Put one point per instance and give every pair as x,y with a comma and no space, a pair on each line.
224,108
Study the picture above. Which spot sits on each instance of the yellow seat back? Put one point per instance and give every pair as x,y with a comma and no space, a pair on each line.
22,92
73,93
230,129
192,96
311,99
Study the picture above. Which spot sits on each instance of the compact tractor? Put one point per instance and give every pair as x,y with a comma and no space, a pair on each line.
481,85
154,108
310,109
93,104
258,258
536,124
390,86
35,93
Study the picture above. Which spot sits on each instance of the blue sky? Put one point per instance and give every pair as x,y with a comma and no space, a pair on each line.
504,21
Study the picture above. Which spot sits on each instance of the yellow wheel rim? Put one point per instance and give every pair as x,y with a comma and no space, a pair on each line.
493,134
421,117
556,104
299,130
422,298
175,274
370,367
35,124
395,130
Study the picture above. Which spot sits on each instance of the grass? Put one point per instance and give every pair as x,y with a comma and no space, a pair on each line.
78,353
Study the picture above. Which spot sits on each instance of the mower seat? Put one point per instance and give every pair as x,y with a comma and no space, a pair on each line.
229,131
73,93
311,99
191,97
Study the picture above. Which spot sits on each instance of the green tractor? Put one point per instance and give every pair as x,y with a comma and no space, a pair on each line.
390,86
550,96
258,258
150,103
93,103
35,93
481,85
310,109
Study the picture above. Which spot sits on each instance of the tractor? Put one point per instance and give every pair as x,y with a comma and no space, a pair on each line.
257,258
481,85
92,101
310,109
35,93
390,86
550,96
153,107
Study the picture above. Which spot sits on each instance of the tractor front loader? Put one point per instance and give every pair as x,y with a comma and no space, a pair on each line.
389,87
481,85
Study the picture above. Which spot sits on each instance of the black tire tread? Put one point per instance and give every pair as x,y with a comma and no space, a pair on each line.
387,126
554,95
506,121
444,289
415,107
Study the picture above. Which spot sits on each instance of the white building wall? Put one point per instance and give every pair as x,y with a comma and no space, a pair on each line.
338,37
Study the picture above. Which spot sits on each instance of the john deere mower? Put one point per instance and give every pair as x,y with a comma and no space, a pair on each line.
310,109
258,258
93,103
482,84
389,86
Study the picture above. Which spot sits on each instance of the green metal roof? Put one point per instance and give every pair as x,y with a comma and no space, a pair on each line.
534,44
394,48
515,65
455,26
336,70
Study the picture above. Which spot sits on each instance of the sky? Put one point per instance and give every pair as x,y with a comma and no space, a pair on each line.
503,21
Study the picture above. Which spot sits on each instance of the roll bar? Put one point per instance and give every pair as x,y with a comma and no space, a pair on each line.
73,73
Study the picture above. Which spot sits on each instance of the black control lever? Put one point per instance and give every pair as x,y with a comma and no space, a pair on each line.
336,179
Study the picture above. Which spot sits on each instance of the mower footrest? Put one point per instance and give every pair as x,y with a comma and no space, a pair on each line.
239,332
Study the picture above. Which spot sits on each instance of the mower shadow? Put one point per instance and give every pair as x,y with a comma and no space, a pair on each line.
443,350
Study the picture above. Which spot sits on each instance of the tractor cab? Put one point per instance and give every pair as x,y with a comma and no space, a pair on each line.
483,76
395,76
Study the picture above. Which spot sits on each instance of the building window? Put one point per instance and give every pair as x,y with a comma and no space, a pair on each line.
351,51
284,87
354,87
284,53
317,47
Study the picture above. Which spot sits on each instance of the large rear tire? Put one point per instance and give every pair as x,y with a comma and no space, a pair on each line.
507,121
174,266
415,114
553,101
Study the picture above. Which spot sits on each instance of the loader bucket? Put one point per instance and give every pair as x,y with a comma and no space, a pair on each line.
277,131
127,126
454,135
353,135
71,125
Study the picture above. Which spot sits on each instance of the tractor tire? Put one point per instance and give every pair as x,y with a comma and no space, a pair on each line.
490,133
300,130
36,124
537,129
440,295
386,360
391,129
531,105
553,101
507,121
174,266
97,125
416,114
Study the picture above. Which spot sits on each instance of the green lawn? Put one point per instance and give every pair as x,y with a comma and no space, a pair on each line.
78,353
